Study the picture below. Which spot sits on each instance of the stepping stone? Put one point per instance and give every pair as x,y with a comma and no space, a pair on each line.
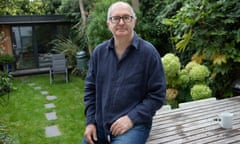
38,88
51,116
25,81
50,105
52,131
44,92
31,84
51,98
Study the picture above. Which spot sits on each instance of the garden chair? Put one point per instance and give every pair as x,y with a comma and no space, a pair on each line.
59,66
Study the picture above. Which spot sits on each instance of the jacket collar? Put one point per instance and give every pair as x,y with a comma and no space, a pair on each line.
134,42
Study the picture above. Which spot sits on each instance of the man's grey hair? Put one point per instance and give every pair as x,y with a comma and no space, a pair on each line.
122,3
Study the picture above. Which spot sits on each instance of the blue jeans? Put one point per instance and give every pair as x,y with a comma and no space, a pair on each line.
136,135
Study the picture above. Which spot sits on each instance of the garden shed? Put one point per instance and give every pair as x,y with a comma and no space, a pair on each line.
28,39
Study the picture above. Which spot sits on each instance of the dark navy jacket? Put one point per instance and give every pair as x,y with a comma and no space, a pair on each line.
134,85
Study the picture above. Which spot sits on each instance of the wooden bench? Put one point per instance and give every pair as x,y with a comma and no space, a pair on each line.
164,108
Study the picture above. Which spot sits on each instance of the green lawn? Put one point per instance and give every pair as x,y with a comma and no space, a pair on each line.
24,117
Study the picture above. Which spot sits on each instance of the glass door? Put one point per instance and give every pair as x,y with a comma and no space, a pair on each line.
22,42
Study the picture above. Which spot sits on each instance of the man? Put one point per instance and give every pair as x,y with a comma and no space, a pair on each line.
125,84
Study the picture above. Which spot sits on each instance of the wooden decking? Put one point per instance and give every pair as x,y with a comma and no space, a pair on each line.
196,124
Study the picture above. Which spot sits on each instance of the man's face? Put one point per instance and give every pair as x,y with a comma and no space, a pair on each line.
121,23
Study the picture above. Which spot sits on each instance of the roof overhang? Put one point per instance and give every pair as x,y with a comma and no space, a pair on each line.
33,19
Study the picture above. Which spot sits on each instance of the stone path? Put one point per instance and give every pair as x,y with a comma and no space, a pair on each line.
53,130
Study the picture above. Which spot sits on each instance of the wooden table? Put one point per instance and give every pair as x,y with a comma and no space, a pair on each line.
197,124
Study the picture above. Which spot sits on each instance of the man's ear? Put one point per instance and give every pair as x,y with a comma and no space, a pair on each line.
135,23
108,24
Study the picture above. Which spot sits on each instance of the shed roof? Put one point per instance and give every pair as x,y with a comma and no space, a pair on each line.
31,19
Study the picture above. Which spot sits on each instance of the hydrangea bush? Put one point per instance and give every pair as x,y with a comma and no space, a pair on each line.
185,83
200,91
199,73
171,65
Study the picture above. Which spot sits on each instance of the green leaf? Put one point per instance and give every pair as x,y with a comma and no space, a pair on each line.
181,45
168,22
238,36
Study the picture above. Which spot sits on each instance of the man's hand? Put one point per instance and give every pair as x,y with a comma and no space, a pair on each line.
90,134
120,126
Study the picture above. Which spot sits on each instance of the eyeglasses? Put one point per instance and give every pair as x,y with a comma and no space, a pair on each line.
116,19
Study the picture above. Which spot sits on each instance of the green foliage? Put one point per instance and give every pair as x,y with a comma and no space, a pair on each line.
183,77
182,82
171,66
6,59
149,24
199,73
97,30
68,47
190,65
5,83
208,31
200,91
27,7
71,10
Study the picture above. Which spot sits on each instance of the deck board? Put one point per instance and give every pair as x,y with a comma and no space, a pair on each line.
196,124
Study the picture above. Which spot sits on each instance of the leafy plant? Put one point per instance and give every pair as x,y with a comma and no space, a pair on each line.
68,47
208,32
6,59
149,24
5,83
185,83
26,7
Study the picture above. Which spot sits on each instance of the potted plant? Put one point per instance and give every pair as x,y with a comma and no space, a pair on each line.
6,60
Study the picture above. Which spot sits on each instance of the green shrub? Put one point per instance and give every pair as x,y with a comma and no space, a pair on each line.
183,77
198,73
5,83
183,82
171,65
6,59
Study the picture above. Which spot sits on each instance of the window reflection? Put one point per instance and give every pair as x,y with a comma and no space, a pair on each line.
31,44
23,47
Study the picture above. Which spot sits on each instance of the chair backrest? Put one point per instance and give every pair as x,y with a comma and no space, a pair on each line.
58,63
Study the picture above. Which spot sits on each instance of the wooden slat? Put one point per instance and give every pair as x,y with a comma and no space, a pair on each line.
198,102
196,124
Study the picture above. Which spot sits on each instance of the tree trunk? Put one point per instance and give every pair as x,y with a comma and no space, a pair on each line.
81,6
83,16
135,4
